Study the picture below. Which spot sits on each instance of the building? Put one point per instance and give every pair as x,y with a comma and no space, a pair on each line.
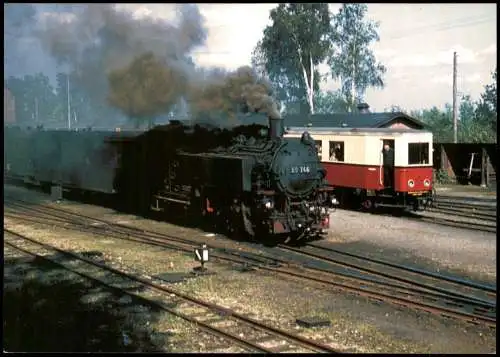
363,118
9,108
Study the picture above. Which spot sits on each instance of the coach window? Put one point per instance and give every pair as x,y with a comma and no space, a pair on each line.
337,151
319,147
418,153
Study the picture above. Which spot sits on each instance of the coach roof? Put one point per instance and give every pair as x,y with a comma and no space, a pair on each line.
349,120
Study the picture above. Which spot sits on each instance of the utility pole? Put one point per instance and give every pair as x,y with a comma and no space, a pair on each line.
455,108
36,110
69,112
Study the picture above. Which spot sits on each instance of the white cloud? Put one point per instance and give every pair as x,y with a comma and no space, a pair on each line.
472,78
491,49
442,79
422,59
386,52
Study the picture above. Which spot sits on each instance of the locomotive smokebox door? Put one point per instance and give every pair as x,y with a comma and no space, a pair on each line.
56,193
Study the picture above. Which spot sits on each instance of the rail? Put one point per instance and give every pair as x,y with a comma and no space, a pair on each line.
272,264
224,313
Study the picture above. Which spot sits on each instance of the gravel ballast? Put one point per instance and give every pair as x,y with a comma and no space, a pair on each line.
357,324
397,238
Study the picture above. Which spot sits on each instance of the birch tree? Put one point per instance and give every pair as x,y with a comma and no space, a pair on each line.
351,60
293,46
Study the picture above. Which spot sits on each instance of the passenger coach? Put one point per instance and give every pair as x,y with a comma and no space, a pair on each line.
354,162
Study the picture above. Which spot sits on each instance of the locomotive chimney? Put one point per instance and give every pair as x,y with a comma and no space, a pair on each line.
276,128
363,108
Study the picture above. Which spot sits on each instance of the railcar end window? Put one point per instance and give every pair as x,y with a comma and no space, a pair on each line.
418,153
337,151
319,147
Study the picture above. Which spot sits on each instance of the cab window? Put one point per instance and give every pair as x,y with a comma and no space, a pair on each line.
319,147
336,151
418,153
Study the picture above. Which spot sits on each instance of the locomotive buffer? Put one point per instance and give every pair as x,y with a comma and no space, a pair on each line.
201,255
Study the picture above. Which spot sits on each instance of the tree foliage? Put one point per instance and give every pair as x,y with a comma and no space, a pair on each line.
145,88
302,36
439,121
35,99
352,61
394,109
327,102
486,111
470,127
292,47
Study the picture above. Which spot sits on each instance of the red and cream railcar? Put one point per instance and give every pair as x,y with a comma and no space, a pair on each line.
353,159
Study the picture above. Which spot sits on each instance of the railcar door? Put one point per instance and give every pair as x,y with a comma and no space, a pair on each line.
387,163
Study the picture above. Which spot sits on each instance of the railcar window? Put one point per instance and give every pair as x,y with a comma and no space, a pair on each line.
337,151
418,153
319,147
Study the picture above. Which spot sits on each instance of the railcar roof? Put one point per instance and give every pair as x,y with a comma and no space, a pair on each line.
327,130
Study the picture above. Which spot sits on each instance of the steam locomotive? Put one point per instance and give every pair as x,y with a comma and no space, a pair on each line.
248,178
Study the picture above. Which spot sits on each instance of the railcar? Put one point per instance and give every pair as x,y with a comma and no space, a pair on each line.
353,160
249,178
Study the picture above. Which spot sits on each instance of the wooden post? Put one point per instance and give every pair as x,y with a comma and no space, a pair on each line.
484,165
455,102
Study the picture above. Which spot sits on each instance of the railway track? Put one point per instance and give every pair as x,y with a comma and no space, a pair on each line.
208,317
476,214
480,209
390,287
459,291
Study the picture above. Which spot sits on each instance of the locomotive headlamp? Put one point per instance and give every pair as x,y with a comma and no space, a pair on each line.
427,182
334,201
411,183
268,204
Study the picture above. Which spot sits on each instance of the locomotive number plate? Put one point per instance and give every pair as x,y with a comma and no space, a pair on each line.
300,169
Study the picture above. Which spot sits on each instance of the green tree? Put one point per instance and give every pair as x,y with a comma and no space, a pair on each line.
440,122
292,47
327,102
487,107
394,109
471,129
35,99
85,109
351,59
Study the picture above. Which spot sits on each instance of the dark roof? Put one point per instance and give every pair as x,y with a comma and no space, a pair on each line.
355,130
349,120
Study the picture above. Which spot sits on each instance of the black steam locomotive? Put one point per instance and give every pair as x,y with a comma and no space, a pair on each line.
247,178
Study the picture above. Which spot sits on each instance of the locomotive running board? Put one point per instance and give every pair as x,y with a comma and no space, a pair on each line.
387,205
162,198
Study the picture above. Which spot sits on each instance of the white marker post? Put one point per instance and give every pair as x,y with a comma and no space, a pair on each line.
201,255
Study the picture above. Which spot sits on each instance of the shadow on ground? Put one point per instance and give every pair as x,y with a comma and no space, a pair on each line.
402,257
48,309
